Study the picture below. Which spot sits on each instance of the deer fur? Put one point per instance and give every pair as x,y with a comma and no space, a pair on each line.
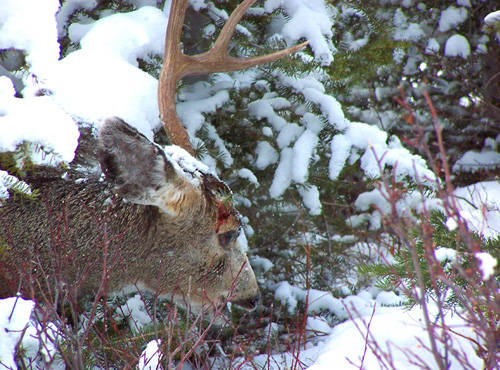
143,223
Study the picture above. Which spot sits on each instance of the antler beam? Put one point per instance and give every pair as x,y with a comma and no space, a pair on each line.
177,65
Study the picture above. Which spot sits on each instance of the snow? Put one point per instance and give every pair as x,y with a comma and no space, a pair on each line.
341,148
68,8
413,32
245,173
465,3
309,19
286,295
402,333
288,134
310,197
317,326
15,313
283,174
265,108
5,179
451,17
191,112
457,46
303,151
226,157
473,161
109,51
487,264
261,263
186,165
151,356
492,18
390,299
38,120
266,155
30,25
135,312
432,46
267,131
404,30
443,254
40,344
479,205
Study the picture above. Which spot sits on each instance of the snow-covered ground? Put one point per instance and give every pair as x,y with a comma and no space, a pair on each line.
88,85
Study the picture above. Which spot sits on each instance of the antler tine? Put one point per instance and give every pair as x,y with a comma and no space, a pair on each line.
177,65
227,31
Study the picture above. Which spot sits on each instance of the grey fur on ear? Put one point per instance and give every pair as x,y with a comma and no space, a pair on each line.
134,165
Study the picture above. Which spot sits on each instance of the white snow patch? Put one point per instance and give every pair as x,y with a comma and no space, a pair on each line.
444,254
226,157
191,112
6,180
186,165
432,46
267,131
265,108
451,17
310,197
413,32
479,206
492,18
314,92
283,174
135,312
487,264
345,346
288,134
151,356
390,299
261,263
303,151
68,8
266,155
108,79
457,46
404,30
245,173
309,19
285,293
473,161
37,120
341,148
465,3
15,313
317,326
30,25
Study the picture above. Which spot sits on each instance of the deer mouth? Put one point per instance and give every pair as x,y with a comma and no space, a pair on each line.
249,304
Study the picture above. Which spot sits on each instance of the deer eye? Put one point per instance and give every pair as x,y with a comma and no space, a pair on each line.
226,238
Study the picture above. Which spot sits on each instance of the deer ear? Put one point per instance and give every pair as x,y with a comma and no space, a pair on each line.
133,164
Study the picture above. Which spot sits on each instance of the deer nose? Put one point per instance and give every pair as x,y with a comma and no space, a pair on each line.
249,304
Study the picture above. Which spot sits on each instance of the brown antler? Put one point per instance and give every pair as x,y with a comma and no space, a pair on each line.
177,65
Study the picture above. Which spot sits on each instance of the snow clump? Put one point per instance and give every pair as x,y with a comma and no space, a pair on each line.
15,313
457,46
487,264
451,17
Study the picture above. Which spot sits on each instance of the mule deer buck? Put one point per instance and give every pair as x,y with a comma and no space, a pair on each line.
151,222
